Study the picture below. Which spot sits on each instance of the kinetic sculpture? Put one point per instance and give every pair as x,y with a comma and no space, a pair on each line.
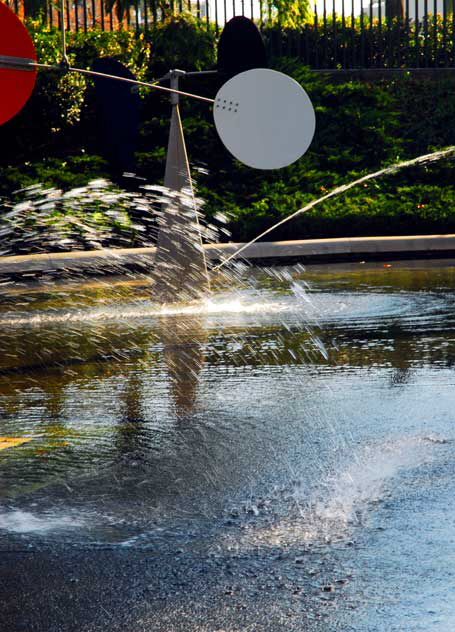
263,117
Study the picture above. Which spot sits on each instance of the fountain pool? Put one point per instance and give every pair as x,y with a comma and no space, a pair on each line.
279,457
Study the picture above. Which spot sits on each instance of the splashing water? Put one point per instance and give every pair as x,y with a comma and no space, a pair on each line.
22,522
351,491
340,503
96,216
232,304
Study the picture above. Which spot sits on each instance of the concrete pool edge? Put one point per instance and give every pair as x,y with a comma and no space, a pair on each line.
308,250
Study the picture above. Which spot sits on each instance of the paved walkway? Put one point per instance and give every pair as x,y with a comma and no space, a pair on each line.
115,261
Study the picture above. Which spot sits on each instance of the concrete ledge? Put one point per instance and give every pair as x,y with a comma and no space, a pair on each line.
96,261
117,260
332,248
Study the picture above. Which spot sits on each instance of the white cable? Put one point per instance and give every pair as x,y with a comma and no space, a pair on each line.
26,64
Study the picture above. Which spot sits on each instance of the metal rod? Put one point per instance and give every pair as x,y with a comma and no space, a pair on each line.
27,64
372,60
362,35
444,31
197,73
136,16
416,35
353,43
388,39
425,33
407,34
146,17
76,15
84,15
453,36
435,34
324,35
63,31
380,48
141,83
17,63
343,33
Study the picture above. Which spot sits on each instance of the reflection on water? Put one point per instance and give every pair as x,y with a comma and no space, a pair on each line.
270,417
183,342
92,373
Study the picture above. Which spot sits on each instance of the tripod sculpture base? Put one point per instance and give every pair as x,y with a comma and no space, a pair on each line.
180,265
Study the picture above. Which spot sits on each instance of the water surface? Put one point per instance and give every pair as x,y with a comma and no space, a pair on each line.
299,415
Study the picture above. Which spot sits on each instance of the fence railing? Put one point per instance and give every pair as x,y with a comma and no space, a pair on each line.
349,43
336,33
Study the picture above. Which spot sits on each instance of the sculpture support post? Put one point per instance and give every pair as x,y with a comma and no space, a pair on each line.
180,266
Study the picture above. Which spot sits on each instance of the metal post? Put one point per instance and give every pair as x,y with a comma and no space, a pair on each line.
64,59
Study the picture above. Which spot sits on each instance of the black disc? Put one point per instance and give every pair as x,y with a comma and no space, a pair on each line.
118,106
240,48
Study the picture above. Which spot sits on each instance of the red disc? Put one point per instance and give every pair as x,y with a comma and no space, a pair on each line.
16,86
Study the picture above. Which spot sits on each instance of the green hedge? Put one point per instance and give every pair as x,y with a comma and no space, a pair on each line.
361,127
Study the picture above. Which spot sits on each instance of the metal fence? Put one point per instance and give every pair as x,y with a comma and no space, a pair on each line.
335,34
350,42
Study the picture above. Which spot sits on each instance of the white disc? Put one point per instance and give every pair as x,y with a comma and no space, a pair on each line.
264,118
